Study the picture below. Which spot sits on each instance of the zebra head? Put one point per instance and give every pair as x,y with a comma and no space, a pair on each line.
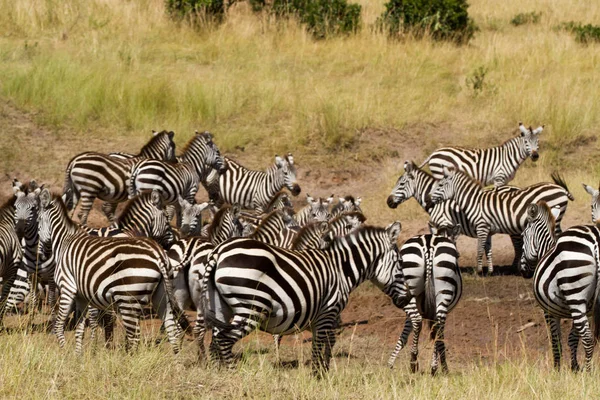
405,186
213,157
538,236
531,140
191,217
388,269
26,207
287,172
595,202
160,147
444,189
449,231
319,208
160,227
47,205
346,204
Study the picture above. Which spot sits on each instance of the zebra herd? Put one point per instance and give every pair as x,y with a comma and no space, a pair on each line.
246,260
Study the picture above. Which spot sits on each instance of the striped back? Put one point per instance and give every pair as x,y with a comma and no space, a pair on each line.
173,180
278,228
496,165
595,202
538,236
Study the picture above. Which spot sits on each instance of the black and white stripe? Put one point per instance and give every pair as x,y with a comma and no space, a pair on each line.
496,165
10,252
316,210
430,266
595,193
565,282
124,274
418,184
251,189
94,175
252,285
495,211
346,204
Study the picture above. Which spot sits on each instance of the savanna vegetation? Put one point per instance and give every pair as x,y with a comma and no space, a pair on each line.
100,74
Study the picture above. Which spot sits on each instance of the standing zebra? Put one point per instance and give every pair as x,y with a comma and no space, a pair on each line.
253,189
314,211
121,273
565,282
430,267
495,211
94,175
199,157
10,252
496,165
252,285
187,259
595,202
418,184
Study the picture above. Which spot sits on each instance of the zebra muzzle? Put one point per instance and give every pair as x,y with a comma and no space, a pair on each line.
296,190
392,202
535,156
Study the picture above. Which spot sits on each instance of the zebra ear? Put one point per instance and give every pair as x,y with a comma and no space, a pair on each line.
183,202
538,130
278,161
408,166
393,230
330,199
45,198
323,226
455,232
326,240
523,130
448,171
156,198
555,212
155,133
532,210
433,229
236,209
202,206
290,159
357,201
171,134
589,189
309,199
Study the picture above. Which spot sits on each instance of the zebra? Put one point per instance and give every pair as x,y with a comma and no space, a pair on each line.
346,204
187,259
11,254
199,157
252,285
94,175
595,202
191,217
565,282
251,189
430,267
314,211
496,165
106,273
141,216
418,184
498,211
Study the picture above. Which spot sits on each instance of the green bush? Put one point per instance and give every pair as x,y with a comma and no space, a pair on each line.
526,18
583,33
197,10
442,19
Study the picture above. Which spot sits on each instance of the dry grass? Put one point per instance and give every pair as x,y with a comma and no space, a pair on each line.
100,74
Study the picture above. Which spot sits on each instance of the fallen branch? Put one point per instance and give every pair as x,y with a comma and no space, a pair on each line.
527,325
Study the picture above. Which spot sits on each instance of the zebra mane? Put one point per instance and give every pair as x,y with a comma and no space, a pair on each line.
275,199
274,215
142,197
205,136
308,232
357,214
58,202
157,137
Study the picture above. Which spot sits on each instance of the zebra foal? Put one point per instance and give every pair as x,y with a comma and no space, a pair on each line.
565,278
252,285
124,274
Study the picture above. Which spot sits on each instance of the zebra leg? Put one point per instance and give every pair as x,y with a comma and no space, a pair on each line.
199,332
417,321
482,236
166,314
225,339
439,351
66,301
80,327
6,286
86,201
488,254
94,316
517,242
131,314
582,325
554,326
108,318
109,210
411,311
573,345
277,342
323,341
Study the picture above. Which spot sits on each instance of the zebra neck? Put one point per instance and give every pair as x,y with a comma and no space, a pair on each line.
423,186
470,197
514,151
275,182
355,264
7,216
195,155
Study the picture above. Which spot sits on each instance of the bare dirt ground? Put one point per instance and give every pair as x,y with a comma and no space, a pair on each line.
483,328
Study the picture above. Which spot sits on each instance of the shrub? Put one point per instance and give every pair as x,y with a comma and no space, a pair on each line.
583,33
526,18
196,10
442,19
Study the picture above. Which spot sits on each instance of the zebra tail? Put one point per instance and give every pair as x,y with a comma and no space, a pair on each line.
209,290
429,303
561,182
69,189
177,311
131,188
